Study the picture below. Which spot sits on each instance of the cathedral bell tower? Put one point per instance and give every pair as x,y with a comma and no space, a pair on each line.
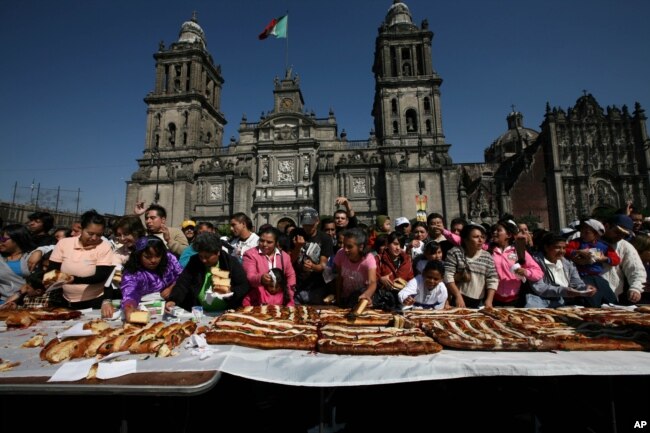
184,121
408,121
407,89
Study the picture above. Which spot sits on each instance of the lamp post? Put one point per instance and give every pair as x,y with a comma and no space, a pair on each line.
420,183
155,159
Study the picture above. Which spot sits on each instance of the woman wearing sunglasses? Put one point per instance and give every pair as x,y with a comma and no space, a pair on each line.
15,248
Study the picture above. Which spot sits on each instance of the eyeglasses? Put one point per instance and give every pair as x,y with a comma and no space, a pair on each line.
4,238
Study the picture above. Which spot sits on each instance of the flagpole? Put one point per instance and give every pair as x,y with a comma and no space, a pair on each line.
286,50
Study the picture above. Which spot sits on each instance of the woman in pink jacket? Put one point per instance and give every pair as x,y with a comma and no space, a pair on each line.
266,287
513,270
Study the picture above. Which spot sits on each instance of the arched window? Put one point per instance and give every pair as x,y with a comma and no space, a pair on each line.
172,134
393,106
395,128
427,105
411,121
406,69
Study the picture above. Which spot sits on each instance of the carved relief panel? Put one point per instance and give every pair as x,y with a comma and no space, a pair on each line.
216,193
286,171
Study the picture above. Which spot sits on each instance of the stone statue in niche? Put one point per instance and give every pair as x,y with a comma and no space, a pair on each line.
265,170
305,175
403,162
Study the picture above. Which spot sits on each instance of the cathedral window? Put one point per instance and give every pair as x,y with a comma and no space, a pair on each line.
393,107
184,138
393,62
420,60
427,105
189,74
411,121
406,69
172,134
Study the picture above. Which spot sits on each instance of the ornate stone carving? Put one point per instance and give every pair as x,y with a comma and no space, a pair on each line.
286,170
216,192
306,172
359,185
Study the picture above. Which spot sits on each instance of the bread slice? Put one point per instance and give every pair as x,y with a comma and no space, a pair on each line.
139,317
216,272
399,283
220,280
53,276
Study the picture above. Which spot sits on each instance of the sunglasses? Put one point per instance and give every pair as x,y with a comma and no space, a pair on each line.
4,238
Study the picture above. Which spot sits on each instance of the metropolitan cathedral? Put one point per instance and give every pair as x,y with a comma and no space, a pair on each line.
582,159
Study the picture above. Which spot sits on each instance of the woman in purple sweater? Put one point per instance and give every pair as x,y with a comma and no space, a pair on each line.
150,269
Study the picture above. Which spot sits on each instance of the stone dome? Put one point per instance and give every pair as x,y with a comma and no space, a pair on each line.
398,13
511,142
192,32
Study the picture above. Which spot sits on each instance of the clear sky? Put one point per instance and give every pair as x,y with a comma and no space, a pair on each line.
74,73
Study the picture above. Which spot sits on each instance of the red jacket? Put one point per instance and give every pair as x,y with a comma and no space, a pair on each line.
385,266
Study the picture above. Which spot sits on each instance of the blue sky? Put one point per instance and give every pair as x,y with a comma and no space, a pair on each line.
75,73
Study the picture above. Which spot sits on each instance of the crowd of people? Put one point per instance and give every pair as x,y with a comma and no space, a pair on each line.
394,264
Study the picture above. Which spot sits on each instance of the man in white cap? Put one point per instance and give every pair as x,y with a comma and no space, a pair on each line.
591,254
403,229
631,269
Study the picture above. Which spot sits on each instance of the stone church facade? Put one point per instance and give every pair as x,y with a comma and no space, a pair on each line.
290,158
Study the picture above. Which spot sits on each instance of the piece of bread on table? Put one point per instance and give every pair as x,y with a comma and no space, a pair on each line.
139,317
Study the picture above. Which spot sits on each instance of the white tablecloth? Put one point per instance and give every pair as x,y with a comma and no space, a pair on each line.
293,367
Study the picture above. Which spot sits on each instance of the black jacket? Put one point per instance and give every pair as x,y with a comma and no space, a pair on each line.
188,286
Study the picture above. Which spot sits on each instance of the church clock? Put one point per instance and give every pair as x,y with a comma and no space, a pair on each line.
286,103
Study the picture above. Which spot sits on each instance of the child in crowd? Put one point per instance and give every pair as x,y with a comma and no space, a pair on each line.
426,290
382,226
432,251
589,252
356,269
151,268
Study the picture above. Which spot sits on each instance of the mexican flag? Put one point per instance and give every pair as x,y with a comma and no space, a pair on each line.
277,27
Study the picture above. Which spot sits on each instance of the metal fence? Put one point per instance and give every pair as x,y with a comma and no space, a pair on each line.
52,199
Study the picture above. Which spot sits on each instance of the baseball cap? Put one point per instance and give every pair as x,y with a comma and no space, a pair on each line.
595,224
188,223
623,222
401,221
567,231
308,216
